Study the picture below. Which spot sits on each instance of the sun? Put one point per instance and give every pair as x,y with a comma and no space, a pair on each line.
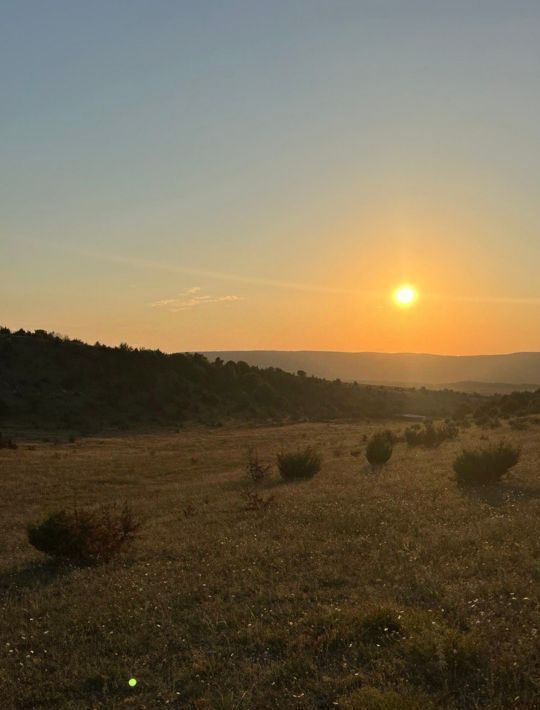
405,296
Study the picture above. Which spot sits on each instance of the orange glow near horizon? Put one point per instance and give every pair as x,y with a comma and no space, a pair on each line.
412,293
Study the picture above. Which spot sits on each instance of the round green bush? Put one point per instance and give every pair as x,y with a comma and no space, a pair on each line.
379,449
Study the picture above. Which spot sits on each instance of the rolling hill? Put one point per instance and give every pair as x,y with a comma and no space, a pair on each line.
51,381
486,373
48,381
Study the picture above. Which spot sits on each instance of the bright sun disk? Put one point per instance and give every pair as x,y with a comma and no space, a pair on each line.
405,296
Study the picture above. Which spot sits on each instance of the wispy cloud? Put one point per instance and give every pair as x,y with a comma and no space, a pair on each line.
150,264
190,298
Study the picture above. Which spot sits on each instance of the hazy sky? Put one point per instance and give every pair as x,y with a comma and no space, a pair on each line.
262,174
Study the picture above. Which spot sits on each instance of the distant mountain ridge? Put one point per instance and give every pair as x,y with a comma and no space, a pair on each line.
499,372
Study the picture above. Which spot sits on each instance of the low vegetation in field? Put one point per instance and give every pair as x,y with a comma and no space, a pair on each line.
431,435
299,465
256,502
402,590
256,471
485,465
84,536
379,448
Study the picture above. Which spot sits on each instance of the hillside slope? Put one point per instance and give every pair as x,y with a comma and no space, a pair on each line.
46,380
404,368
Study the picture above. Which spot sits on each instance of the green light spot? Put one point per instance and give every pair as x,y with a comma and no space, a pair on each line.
132,682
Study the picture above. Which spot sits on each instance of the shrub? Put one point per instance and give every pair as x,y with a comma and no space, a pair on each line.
255,470
392,436
84,536
484,466
430,435
298,465
379,448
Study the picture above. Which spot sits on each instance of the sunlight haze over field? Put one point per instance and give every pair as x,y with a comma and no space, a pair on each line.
265,175
270,354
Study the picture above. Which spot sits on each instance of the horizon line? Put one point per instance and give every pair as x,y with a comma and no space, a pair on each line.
203,351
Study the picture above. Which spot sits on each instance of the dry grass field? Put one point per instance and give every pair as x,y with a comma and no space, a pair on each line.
355,589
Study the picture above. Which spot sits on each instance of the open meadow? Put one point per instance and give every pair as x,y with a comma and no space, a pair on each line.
385,590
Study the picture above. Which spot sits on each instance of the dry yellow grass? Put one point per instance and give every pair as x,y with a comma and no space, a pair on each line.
218,606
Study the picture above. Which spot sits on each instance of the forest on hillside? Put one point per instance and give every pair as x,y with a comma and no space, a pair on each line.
48,381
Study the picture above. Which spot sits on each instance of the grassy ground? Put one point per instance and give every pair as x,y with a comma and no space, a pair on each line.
357,590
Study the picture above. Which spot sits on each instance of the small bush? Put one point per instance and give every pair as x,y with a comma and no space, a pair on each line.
487,422
255,470
485,466
298,465
379,448
393,437
430,435
84,536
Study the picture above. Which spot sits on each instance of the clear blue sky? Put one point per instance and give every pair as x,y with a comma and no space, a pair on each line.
256,174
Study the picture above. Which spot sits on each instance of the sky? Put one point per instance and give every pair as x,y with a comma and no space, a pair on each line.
199,175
